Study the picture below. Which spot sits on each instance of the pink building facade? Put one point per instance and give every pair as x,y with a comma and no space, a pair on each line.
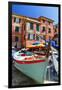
26,30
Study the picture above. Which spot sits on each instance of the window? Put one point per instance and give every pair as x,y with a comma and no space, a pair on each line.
37,27
28,36
31,36
49,22
37,37
49,31
16,29
55,30
24,37
43,29
31,25
14,19
34,36
44,37
43,21
16,38
17,20
41,37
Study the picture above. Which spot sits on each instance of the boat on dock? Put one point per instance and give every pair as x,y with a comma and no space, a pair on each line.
32,65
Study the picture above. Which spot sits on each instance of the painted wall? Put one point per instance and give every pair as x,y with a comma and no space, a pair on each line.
18,34
22,28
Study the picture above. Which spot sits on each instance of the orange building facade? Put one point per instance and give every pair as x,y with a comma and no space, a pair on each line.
27,30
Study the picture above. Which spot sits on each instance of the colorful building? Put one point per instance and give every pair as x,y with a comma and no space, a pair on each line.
56,27
56,34
27,30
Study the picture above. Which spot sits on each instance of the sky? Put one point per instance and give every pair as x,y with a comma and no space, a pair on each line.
36,11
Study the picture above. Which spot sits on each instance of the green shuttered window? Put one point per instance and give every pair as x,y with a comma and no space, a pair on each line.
49,31
17,20
31,36
43,29
16,38
16,29
37,27
31,26
37,37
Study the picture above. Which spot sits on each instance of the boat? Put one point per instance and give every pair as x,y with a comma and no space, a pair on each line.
34,68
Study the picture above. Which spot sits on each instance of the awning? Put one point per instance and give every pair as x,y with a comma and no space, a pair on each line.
36,46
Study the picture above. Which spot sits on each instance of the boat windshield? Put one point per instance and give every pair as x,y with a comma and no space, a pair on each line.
35,43
27,53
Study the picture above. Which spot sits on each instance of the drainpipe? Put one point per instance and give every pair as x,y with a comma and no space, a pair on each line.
23,34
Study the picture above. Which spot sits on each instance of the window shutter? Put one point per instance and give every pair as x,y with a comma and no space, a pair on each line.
43,29
31,26
28,36
16,29
33,36
14,19
37,27
19,20
16,38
